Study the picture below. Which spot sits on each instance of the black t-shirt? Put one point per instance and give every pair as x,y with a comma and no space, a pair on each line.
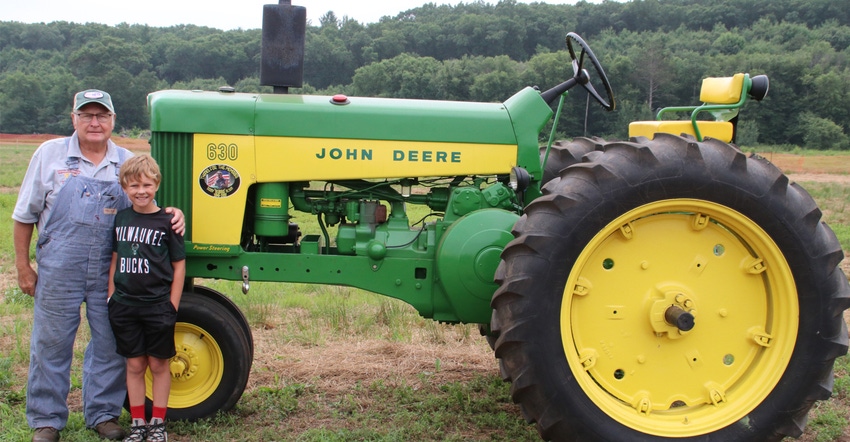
146,247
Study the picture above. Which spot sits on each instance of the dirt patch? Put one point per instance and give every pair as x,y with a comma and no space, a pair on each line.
135,144
819,178
368,361
818,164
27,138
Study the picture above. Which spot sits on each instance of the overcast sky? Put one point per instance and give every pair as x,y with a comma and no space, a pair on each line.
233,14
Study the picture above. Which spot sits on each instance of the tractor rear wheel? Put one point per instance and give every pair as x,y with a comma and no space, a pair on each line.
564,154
214,356
670,289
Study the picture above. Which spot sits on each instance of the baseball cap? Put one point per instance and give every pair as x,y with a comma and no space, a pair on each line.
93,96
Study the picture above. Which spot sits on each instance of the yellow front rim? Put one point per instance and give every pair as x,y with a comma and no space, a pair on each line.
196,370
672,256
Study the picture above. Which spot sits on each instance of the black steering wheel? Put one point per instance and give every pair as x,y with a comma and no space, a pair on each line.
582,77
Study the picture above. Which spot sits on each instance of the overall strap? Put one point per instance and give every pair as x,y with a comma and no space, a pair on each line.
122,156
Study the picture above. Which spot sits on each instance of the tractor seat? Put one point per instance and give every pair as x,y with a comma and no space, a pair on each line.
722,97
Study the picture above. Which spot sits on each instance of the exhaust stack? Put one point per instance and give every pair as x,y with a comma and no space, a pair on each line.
282,53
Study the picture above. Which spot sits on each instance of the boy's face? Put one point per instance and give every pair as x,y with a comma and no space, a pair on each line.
141,190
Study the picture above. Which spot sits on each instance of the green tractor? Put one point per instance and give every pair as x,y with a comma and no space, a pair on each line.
669,286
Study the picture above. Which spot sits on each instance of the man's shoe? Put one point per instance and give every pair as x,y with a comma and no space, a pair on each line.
45,434
110,429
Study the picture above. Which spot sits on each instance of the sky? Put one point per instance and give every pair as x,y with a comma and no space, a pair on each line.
233,14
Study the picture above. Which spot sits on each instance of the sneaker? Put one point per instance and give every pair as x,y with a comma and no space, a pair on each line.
138,433
110,429
45,434
157,433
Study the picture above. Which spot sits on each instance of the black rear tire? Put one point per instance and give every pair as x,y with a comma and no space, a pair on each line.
566,153
643,226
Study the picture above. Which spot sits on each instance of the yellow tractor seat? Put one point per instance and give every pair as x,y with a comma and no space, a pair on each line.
722,98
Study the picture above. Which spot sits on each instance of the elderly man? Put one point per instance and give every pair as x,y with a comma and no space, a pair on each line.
71,194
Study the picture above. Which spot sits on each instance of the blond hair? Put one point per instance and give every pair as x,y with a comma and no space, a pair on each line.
138,166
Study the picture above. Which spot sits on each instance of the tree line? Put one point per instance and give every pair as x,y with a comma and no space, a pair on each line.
655,53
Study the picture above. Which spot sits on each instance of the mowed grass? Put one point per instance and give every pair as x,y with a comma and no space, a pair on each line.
340,364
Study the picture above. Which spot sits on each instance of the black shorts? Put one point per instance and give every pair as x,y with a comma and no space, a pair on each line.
146,330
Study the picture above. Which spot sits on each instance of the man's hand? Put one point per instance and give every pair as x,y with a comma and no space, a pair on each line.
22,237
178,221
27,278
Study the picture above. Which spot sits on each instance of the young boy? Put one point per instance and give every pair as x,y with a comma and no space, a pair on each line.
145,285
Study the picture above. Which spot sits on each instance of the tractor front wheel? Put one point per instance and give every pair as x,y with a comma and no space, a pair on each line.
670,289
214,356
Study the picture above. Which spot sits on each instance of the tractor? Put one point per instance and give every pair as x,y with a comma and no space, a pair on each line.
668,286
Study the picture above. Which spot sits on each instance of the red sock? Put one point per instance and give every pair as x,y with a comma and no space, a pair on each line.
137,412
158,412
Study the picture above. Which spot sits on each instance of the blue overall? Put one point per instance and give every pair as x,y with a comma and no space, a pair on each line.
73,253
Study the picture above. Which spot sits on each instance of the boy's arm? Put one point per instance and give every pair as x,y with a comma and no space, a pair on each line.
111,286
177,282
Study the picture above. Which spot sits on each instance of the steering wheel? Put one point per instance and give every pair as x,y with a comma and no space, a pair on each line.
582,77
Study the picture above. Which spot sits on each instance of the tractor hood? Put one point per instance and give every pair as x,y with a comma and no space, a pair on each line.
310,116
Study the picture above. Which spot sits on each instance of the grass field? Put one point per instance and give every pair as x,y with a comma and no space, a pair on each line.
339,364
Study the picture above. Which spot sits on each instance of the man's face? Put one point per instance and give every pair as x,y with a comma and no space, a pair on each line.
98,129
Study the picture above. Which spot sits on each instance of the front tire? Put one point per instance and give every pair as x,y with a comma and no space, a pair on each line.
213,361
639,228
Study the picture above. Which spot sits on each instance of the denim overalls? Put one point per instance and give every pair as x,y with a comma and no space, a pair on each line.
73,255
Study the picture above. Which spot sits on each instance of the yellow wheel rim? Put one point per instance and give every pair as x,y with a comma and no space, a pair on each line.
196,370
676,256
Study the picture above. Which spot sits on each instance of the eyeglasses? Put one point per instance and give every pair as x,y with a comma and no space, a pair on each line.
86,117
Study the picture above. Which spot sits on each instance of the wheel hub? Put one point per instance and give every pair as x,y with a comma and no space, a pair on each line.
674,315
184,365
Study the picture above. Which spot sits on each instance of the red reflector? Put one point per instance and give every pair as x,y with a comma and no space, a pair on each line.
339,99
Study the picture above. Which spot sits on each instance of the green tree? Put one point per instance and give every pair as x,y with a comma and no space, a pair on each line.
329,61
821,133
501,79
107,53
405,76
22,97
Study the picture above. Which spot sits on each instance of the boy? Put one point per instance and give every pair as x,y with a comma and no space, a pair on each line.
145,285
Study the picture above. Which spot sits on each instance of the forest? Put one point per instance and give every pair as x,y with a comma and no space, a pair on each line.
655,52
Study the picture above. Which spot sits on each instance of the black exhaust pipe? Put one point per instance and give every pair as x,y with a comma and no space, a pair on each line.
282,54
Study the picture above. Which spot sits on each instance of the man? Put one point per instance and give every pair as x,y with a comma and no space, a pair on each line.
71,194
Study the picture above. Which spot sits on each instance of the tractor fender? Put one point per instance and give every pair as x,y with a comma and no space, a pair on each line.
467,257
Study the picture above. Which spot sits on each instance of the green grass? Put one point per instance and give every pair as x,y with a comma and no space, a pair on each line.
828,422
834,201
479,409
14,164
7,248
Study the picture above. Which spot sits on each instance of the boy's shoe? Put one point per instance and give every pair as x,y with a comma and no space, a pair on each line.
157,433
138,433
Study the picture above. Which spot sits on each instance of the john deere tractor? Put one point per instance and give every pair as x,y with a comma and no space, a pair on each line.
669,286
